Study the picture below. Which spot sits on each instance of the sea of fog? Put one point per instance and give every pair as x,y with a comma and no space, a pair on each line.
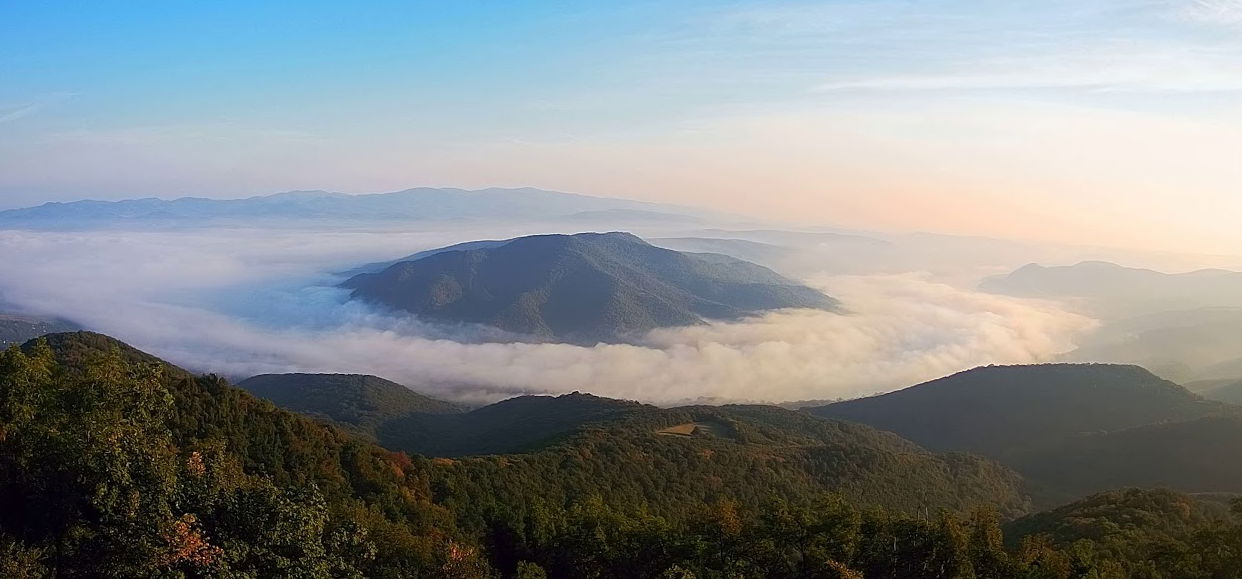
240,302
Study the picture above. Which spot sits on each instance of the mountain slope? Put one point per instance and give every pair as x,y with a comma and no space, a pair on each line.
114,463
1198,456
668,458
358,400
1133,525
582,288
1229,391
508,452
519,424
997,410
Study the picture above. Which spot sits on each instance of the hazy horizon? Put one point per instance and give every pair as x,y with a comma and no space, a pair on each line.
1108,123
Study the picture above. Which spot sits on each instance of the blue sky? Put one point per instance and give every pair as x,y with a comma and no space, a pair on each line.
872,113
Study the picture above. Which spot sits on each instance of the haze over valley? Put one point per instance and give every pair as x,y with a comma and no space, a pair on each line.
834,289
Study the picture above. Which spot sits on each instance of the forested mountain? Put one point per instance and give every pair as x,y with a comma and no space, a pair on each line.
360,401
1069,430
115,464
1193,456
582,288
997,410
519,424
664,457
1150,533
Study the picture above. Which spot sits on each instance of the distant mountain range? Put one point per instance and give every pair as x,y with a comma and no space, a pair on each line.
1114,290
18,328
420,204
584,288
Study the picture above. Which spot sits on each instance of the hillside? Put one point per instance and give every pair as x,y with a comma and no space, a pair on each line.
583,288
1140,526
998,410
114,463
661,457
519,424
1198,456
1228,391
741,450
361,401
749,454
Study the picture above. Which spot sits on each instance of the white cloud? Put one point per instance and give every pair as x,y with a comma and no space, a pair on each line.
1219,12
244,302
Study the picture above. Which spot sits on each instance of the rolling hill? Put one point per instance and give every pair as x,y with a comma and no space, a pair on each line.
997,410
584,289
1196,456
115,463
360,401
1229,391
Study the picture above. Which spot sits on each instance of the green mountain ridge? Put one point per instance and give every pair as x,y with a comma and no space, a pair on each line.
994,410
114,463
360,401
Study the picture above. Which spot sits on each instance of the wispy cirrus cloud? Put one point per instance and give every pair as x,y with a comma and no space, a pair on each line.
1171,70
21,111
15,113
1223,12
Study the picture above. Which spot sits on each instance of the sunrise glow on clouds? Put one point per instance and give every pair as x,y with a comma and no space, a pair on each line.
1110,122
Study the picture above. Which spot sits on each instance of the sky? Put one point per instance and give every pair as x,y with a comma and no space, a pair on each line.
1112,122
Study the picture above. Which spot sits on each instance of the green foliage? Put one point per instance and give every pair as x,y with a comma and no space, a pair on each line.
361,402
114,464
997,410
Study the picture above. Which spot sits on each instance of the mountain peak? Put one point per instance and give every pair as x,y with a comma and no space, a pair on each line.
582,288
996,409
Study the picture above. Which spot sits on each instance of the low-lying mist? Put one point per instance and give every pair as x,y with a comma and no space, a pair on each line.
242,302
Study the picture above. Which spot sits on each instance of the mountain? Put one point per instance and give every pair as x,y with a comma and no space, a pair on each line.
1229,391
1114,290
519,424
361,401
584,288
114,463
631,449
689,455
17,329
1181,345
997,410
420,204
